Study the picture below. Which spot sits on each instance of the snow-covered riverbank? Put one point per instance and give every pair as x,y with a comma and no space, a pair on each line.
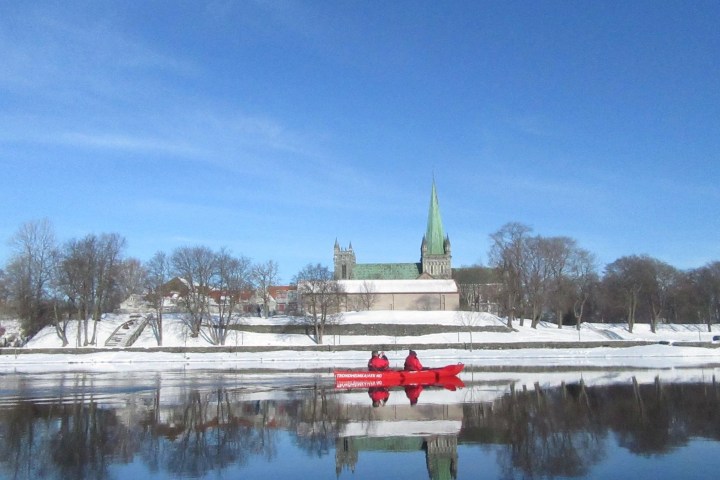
662,352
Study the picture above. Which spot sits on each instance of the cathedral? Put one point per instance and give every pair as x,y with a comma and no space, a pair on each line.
423,285
435,258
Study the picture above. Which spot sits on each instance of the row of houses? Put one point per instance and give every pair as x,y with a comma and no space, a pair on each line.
282,299
353,295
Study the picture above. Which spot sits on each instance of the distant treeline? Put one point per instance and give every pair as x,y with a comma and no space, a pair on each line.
46,282
552,278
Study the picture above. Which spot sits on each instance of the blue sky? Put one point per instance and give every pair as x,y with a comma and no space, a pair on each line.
274,128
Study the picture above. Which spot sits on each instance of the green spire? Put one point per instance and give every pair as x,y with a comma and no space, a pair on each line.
435,236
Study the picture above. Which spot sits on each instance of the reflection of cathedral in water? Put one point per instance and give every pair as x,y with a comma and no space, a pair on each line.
397,428
441,457
440,452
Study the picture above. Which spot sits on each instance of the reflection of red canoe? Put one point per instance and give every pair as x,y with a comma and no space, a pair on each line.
389,378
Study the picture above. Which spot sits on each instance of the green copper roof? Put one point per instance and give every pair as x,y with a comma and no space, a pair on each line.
435,236
386,271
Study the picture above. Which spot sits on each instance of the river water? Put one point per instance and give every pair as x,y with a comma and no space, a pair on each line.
660,424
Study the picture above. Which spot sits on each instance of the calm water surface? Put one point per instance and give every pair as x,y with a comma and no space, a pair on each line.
509,424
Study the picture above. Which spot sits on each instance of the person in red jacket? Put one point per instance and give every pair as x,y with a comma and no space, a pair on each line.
378,361
412,362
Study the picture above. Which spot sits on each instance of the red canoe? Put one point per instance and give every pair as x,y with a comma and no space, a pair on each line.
448,383
365,378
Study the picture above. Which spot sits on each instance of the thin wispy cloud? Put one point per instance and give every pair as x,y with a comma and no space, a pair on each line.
127,143
63,59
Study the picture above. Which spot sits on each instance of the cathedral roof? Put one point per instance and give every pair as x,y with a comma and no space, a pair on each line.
435,236
386,271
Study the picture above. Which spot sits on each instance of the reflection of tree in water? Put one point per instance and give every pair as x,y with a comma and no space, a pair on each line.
550,433
86,437
76,439
658,418
318,420
212,430
561,431
209,432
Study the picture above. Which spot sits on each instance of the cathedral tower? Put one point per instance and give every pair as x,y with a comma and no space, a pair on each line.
435,248
344,260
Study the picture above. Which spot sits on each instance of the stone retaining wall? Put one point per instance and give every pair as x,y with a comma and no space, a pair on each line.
368,329
368,347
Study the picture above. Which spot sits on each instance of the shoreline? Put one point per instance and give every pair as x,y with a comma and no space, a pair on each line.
323,359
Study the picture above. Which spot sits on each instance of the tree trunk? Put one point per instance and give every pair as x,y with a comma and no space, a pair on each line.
60,327
631,315
535,317
159,321
578,311
710,319
316,326
86,322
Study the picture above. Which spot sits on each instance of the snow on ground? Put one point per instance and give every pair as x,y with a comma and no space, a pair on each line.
176,335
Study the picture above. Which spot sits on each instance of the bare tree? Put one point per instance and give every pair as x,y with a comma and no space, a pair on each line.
108,263
320,295
368,295
584,281
264,276
643,284
536,275
559,252
131,278
662,279
75,280
539,275
631,281
508,255
469,320
4,292
477,284
197,266
233,278
29,273
470,294
157,275
706,289
89,276
62,314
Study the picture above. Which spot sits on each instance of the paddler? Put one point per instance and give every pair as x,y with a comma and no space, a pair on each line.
412,363
378,361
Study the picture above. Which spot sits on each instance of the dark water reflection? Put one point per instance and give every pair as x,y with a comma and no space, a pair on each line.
225,425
